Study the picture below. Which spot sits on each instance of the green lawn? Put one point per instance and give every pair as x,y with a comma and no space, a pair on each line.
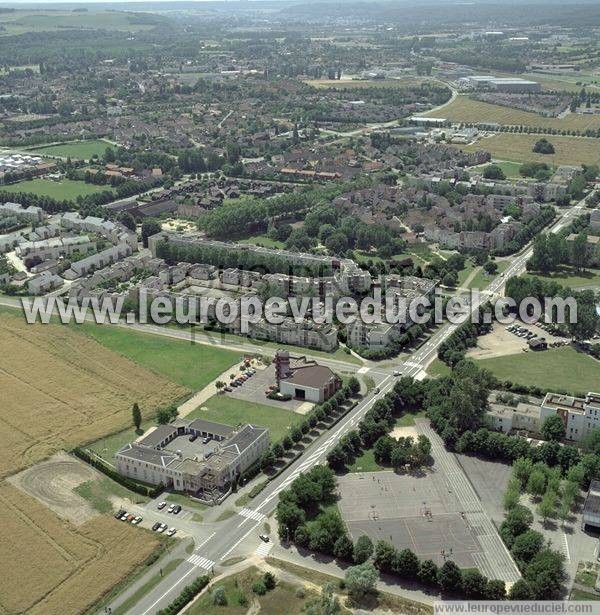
556,368
239,597
231,411
509,168
438,368
408,419
366,463
481,280
191,365
567,276
63,190
578,594
98,491
464,273
263,240
108,446
82,150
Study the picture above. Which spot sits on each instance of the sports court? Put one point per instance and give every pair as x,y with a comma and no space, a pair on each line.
416,512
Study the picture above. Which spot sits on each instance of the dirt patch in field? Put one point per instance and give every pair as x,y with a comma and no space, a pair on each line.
53,482
405,432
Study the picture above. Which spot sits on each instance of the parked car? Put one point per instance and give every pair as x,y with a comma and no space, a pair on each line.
171,508
161,505
156,526
206,440
137,520
264,538
119,513
162,528
130,518
193,437
171,531
124,516
177,509
396,372
228,389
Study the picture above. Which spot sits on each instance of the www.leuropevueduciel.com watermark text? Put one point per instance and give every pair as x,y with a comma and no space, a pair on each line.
388,308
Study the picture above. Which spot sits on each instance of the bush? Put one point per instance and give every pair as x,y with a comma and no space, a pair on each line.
259,587
218,596
185,597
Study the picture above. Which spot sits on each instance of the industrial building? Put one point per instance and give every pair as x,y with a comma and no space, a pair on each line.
499,84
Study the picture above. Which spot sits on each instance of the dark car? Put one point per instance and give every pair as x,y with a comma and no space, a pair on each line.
119,513
193,438
155,526
177,510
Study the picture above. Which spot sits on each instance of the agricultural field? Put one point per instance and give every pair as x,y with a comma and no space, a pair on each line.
230,411
464,109
518,147
61,389
63,190
21,22
556,368
54,560
74,149
191,365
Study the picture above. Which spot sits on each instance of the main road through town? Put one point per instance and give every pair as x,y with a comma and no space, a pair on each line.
247,524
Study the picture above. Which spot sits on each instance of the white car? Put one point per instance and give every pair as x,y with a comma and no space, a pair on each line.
171,508
162,528
137,520
397,372
171,531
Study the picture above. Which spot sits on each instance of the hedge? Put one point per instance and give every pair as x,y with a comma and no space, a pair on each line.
150,492
188,593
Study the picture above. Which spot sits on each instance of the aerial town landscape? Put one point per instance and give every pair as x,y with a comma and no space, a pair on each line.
299,306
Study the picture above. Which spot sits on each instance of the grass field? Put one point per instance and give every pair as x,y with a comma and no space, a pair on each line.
481,280
192,366
567,276
238,590
438,368
82,150
464,109
556,368
518,147
263,240
98,492
510,169
23,21
51,560
61,388
231,411
63,190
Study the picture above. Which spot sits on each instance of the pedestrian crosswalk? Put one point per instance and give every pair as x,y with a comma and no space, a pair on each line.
201,562
264,549
252,514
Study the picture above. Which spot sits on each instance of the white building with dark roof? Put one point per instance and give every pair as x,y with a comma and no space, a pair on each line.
198,457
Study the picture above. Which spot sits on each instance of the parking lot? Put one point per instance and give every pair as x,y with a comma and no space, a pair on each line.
254,390
502,341
411,512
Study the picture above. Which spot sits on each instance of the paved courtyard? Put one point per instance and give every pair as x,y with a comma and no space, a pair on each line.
437,514
411,512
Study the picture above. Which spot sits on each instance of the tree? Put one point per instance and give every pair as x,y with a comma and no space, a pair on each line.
219,596
354,385
360,580
496,590
490,267
553,429
520,591
328,603
543,146
166,415
150,227
536,485
363,549
343,548
385,554
493,171
406,564
289,517
547,507
527,545
522,469
127,220
474,584
450,578
428,572
269,580
579,251
136,415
